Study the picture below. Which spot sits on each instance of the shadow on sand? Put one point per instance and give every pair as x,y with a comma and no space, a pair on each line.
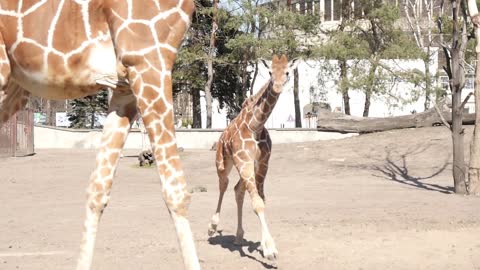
226,242
396,169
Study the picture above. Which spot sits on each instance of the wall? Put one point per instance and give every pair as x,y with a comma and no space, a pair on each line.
48,137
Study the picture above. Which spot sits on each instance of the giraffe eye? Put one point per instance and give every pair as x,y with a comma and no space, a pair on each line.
287,73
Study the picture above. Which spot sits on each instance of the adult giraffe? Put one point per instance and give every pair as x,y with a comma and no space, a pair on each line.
65,49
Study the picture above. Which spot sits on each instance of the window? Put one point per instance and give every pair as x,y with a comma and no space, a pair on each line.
469,83
444,83
332,10
328,10
337,10
357,9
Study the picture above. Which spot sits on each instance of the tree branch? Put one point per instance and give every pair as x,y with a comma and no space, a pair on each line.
444,121
465,100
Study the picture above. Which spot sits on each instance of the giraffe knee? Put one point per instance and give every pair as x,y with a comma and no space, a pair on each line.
262,195
223,184
239,190
258,204
98,202
99,195
238,186
177,205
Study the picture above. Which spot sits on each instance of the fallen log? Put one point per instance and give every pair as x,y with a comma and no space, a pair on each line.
338,122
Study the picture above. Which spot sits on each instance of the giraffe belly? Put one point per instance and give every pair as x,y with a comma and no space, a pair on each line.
76,76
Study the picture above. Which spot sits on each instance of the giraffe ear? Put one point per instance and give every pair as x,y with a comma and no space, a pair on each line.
294,63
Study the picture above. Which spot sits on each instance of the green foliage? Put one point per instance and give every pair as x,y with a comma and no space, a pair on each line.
343,45
246,32
186,122
249,31
289,33
191,66
365,43
85,110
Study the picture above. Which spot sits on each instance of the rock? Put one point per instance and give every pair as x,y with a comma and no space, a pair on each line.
197,189
146,158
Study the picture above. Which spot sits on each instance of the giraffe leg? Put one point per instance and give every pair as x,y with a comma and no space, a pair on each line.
239,197
158,119
247,173
13,99
148,63
122,111
223,172
12,96
260,173
262,167
267,244
155,102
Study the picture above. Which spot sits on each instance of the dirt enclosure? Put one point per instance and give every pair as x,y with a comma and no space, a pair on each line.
378,201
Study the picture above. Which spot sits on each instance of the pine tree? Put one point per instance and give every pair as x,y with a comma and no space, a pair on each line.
85,111
192,63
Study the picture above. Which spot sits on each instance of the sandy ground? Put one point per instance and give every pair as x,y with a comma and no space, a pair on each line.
378,201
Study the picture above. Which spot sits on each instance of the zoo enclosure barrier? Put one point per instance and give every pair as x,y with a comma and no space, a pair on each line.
16,135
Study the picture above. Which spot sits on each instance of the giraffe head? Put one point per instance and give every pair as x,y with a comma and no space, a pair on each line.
280,70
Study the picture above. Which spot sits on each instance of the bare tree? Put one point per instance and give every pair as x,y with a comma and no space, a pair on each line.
473,184
346,18
421,21
211,52
455,69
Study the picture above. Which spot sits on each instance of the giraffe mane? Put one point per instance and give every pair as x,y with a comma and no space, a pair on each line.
253,98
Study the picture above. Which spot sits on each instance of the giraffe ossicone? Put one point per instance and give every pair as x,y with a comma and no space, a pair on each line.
246,144
65,49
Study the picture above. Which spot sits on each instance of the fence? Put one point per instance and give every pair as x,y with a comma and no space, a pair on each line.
16,136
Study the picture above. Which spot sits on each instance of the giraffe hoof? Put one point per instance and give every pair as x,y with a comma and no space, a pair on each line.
269,250
272,257
212,229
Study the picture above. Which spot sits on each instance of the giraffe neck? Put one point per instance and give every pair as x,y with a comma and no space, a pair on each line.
263,106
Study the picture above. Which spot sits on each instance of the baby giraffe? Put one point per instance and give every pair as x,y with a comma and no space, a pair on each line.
246,144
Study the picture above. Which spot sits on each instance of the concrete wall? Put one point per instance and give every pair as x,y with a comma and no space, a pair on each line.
49,137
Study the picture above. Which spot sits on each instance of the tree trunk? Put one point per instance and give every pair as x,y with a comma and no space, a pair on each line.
346,17
196,109
457,82
366,107
208,93
296,99
255,73
245,76
344,86
208,85
473,183
428,81
457,139
337,122
370,87
92,120
50,115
